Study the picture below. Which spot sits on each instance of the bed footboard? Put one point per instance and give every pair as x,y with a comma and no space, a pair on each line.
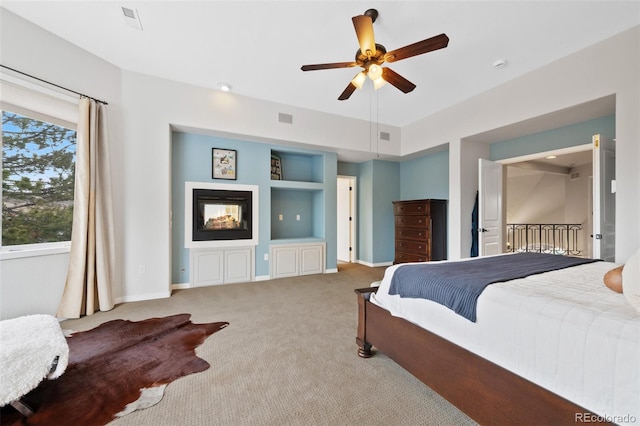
486,392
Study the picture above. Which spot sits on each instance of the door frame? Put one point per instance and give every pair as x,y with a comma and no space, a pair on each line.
604,205
353,214
538,155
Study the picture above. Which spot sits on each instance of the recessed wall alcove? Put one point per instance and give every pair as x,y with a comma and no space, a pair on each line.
307,184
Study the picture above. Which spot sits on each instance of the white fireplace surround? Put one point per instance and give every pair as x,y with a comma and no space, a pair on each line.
188,215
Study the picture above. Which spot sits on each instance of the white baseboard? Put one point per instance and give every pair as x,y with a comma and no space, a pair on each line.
374,265
180,286
140,298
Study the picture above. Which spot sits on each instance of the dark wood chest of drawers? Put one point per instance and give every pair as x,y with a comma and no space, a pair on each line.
420,230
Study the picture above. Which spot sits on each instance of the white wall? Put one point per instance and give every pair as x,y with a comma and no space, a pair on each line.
609,67
535,196
32,285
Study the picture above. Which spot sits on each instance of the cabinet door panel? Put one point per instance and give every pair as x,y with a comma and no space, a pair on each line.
237,266
311,260
285,262
208,268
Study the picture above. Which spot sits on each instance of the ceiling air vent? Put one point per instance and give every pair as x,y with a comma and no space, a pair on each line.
285,118
131,17
574,176
385,136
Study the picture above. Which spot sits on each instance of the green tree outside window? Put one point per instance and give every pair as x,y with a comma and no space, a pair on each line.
38,165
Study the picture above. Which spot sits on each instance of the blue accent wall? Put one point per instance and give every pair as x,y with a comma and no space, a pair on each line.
365,212
382,182
549,140
191,162
348,169
386,190
425,177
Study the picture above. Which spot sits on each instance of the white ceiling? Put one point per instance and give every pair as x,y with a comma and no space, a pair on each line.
259,46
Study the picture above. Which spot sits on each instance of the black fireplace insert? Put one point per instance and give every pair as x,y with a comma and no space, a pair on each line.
221,215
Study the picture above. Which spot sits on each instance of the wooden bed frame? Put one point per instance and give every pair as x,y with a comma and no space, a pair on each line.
486,392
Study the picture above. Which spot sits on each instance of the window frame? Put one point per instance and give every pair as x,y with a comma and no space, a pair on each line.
41,103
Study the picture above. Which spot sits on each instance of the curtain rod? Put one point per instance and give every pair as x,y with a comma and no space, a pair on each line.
53,84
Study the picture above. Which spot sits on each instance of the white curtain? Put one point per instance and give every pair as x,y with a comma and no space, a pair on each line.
91,261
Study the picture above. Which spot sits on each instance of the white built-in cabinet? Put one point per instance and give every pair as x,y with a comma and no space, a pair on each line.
289,260
215,266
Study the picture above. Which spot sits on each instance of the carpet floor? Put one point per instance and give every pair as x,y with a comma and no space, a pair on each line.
288,357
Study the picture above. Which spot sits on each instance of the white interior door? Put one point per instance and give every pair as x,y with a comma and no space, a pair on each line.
604,198
489,208
345,219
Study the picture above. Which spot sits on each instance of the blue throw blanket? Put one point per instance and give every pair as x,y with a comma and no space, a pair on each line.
457,285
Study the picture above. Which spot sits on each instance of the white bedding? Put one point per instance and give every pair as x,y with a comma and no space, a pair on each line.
563,330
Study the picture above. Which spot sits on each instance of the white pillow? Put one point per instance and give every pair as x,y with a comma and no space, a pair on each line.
631,280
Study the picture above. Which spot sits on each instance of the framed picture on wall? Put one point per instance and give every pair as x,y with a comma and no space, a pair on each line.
276,168
224,163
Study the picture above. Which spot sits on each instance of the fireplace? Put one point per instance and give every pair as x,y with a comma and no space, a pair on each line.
221,215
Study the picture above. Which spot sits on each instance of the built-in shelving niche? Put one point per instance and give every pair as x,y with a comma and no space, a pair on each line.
297,213
297,200
300,167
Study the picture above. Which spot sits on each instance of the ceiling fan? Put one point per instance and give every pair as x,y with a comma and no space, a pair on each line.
371,56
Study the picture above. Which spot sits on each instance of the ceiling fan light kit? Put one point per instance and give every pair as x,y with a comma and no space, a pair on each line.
370,56
378,83
359,79
375,72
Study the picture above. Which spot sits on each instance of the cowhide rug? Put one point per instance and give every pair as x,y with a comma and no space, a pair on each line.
116,368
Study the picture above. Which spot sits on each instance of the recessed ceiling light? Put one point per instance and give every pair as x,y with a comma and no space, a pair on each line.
550,157
225,87
500,63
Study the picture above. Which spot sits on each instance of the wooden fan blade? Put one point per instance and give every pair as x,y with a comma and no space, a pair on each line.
364,30
434,43
347,92
315,67
392,77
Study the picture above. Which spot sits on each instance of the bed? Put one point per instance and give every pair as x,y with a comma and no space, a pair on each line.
553,348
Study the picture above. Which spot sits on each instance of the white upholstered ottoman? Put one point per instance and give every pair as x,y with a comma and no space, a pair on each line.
32,348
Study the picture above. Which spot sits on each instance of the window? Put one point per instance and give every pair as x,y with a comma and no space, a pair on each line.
38,162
